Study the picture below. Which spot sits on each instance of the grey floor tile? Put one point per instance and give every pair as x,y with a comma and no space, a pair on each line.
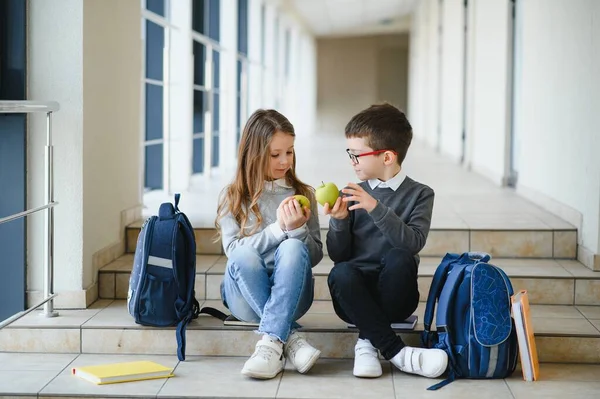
35,361
333,379
415,387
564,372
216,377
24,382
554,389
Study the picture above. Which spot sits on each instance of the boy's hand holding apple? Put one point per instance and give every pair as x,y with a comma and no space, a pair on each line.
328,195
339,210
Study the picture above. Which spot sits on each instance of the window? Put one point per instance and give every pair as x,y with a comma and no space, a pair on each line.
206,17
242,84
154,100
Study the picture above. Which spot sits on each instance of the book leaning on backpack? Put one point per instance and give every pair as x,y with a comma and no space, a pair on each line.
161,286
473,323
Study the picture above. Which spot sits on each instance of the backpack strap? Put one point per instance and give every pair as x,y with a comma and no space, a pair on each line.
214,313
439,278
177,198
182,326
186,314
446,297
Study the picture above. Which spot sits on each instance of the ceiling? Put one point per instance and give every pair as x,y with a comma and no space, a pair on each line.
354,17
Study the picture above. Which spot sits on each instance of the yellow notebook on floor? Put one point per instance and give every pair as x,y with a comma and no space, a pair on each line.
523,325
122,372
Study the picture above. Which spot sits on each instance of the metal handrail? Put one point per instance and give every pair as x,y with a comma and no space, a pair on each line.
20,107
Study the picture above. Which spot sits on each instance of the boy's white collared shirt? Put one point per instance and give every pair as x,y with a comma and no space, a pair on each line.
392,183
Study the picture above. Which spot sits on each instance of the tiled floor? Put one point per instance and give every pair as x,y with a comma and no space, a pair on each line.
47,375
549,281
464,200
564,333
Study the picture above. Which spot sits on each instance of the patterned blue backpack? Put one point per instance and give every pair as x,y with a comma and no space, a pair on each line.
473,323
161,286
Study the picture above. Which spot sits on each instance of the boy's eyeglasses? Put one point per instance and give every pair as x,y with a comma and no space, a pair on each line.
354,157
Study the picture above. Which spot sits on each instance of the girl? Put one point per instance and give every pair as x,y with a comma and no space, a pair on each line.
271,243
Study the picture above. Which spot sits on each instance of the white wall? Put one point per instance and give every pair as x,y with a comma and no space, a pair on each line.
294,96
424,80
555,142
452,84
55,72
487,122
557,126
436,100
111,110
392,76
95,74
348,78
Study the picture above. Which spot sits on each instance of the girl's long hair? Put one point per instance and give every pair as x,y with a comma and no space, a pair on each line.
241,197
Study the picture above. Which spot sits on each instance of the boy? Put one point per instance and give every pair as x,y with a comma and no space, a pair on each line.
376,231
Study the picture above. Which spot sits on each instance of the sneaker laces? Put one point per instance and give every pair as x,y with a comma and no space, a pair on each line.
267,350
295,344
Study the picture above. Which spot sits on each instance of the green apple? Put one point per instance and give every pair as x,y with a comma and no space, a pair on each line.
327,193
304,202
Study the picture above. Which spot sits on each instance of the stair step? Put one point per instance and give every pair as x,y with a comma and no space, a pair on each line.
564,334
514,242
549,281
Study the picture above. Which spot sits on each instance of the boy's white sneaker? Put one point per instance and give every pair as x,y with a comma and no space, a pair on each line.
266,361
302,355
426,362
366,360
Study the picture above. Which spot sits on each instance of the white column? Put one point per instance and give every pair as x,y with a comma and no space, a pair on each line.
451,112
254,55
180,101
95,74
488,72
229,29
269,71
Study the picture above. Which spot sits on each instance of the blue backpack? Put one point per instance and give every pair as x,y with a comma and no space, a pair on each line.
473,323
161,286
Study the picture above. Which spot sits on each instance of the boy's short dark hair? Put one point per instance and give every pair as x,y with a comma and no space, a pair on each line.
384,127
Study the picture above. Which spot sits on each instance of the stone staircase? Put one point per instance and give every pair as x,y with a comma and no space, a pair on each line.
565,298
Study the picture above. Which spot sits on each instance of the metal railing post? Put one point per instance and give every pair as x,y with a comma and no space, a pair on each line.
49,219
25,107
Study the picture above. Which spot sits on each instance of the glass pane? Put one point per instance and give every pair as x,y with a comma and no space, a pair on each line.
156,6
199,63
199,109
216,112
238,116
276,46
216,69
198,158
154,112
239,76
154,167
214,25
243,26
263,28
215,150
198,15
155,41
288,43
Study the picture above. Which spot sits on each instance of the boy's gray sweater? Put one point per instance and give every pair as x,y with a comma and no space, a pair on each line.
269,235
401,219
